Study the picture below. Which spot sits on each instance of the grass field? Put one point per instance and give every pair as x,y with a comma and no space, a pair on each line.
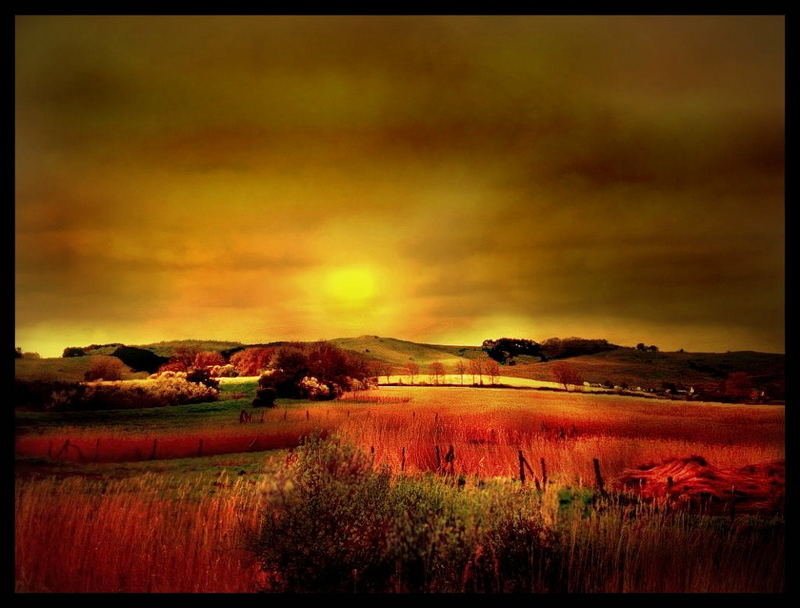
174,496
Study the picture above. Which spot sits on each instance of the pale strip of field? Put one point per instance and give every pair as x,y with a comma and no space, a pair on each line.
238,380
507,380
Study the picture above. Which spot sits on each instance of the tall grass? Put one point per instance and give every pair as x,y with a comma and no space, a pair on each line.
143,534
343,518
344,525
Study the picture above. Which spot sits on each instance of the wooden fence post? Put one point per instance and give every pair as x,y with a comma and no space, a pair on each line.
544,472
598,477
521,467
403,459
450,458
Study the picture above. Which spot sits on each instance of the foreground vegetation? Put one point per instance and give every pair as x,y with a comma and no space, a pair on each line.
414,489
326,518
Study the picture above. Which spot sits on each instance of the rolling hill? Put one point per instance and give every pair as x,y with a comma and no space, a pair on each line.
621,367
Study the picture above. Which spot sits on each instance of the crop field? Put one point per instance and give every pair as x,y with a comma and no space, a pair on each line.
180,498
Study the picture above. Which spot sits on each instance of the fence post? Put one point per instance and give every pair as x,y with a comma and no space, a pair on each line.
598,477
450,458
307,414
403,459
544,472
521,467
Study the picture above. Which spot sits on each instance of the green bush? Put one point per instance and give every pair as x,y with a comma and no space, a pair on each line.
340,525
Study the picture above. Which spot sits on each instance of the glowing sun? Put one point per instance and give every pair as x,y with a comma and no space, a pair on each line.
351,286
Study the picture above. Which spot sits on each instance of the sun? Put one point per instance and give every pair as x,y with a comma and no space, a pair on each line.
354,285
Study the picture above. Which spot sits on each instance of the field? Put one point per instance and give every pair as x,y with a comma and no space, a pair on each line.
185,498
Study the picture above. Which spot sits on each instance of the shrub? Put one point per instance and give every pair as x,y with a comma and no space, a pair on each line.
341,525
202,376
104,368
162,391
223,371
265,397
314,389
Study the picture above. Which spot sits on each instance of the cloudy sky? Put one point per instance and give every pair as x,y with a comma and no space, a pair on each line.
439,179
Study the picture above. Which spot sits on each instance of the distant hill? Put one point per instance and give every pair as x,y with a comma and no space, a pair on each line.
71,369
621,366
400,352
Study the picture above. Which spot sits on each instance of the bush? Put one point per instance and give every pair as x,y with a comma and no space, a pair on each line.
104,368
265,397
223,371
202,376
339,525
159,392
314,389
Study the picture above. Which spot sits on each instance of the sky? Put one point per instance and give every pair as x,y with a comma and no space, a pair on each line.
436,179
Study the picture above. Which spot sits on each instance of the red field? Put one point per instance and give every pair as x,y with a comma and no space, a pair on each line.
157,532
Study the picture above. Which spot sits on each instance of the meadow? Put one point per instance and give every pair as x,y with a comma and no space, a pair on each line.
189,498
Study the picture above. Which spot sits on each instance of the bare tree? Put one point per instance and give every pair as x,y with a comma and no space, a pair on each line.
476,369
493,370
412,369
461,369
437,371
566,374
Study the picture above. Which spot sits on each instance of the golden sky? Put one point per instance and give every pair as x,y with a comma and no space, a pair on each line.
438,179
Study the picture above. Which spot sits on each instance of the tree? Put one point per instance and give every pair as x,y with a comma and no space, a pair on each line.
641,346
493,370
653,348
251,361
208,358
476,369
437,371
461,369
737,385
185,355
566,374
412,369
104,368
172,366
18,353
505,350
139,359
73,351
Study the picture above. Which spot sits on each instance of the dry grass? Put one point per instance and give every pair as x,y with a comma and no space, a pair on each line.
136,535
160,533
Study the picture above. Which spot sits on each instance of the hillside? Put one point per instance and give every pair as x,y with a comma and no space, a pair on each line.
620,367
71,369
623,366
